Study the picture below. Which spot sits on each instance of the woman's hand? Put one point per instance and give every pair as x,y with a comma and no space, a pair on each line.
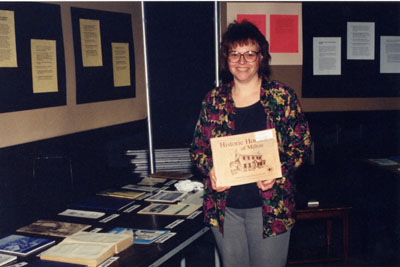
214,182
266,184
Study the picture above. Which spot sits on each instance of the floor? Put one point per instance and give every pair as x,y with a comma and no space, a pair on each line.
201,254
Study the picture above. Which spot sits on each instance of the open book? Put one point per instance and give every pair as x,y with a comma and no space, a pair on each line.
88,248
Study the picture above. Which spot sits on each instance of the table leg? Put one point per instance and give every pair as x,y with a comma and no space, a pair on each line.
328,236
183,261
345,237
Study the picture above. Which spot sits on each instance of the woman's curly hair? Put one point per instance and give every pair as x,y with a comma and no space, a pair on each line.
243,33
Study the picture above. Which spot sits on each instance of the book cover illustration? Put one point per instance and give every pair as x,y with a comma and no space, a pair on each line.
103,203
170,209
23,245
167,196
120,193
53,228
246,158
141,236
82,213
140,188
150,181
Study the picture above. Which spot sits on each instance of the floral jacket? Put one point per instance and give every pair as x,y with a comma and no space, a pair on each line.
283,112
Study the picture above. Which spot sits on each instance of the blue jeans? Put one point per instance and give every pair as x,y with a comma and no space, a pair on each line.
242,243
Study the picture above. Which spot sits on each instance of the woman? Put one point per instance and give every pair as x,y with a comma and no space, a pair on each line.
251,223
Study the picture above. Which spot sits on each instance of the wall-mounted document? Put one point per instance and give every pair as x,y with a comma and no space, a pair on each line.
326,55
91,43
44,66
360,40
8,52
121,66
390,54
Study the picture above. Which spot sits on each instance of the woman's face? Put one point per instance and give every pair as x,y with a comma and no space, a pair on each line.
242,70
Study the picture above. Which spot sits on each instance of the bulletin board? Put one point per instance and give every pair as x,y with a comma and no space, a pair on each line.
94,84
32,21
358,78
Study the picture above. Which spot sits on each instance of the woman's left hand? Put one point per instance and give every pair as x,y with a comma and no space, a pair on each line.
266,184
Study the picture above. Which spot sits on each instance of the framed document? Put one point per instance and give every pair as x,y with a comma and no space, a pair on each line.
246,158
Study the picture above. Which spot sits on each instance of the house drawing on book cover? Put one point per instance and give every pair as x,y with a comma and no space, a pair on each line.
21,245
141,236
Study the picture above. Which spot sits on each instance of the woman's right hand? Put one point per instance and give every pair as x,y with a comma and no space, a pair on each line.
214,182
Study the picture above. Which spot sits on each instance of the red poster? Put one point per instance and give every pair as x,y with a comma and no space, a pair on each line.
258,20
284,33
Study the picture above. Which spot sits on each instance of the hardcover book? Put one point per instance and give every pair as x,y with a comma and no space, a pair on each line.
5,259
53,228
170,209
141,236
79,253
120,193
82,213
246,158
140,188
167,196
44,263
150,181
23,245
103,203
88,248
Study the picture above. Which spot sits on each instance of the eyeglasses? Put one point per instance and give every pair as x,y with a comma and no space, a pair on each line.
249,56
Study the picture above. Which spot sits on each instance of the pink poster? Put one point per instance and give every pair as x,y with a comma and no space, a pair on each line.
258,20
284,33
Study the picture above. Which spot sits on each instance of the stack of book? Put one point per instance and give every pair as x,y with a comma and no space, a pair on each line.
177,159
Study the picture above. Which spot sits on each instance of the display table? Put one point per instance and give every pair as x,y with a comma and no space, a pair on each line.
184,230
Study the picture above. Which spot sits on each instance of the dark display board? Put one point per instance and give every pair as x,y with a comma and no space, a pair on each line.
95,84
181,60
32,21
359,78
